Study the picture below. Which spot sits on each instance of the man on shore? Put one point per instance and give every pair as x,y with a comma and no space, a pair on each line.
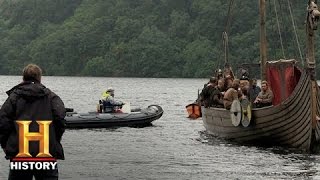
32,101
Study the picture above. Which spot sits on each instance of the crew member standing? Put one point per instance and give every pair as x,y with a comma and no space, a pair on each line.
31,100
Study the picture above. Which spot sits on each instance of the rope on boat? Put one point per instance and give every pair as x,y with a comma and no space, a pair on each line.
227,25
282,19
295,31
225,45
273,50
279,29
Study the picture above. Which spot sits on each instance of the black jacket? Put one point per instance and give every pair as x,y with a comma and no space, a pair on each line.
34,102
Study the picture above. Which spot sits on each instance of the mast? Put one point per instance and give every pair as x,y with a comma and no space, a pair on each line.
227,68
226,48
263,39
311,25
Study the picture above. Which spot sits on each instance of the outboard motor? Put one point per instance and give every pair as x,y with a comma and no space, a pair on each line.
69,109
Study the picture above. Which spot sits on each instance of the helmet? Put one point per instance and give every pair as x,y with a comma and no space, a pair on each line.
244,78
110,89
213,80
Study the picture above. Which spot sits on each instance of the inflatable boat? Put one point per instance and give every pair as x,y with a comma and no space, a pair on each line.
136,118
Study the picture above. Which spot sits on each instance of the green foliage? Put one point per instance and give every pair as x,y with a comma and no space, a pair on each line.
139,38
199,56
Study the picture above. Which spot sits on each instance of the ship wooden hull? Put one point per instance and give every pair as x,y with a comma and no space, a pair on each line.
286,124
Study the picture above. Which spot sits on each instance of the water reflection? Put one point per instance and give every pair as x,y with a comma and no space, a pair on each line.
283,163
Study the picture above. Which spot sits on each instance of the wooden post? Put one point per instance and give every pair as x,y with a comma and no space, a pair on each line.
311,25
263,39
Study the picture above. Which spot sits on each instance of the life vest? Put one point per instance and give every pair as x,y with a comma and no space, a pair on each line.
107,106
104,96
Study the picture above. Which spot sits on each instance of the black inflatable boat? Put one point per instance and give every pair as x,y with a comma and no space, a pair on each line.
140,118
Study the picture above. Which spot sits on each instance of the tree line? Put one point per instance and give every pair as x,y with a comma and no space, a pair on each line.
140,38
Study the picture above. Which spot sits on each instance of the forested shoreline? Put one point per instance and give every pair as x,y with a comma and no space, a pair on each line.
140,38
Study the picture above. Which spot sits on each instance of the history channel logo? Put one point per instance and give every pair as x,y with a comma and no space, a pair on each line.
24,160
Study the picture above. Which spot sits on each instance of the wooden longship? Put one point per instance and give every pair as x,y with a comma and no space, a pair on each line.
291,122
286,124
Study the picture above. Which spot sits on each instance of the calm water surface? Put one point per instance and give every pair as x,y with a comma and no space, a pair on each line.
173,148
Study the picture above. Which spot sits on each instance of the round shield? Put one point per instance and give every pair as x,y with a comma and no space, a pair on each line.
246,112
236,113
249,112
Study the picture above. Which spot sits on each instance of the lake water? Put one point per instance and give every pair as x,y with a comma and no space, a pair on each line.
173,148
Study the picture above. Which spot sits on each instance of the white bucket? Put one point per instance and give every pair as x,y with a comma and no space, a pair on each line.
126,108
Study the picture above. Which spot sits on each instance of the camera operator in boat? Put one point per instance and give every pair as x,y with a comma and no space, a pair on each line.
110,105
265,97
